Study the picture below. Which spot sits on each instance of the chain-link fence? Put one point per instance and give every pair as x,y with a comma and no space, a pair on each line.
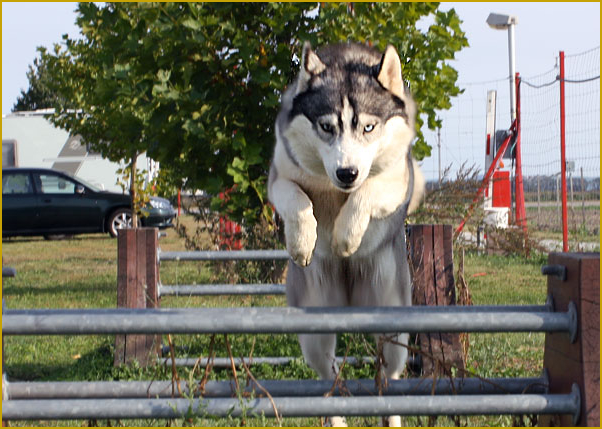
541,155
463,139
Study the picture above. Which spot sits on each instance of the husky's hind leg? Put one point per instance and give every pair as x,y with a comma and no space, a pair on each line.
319,353
394,353
388,284
317,285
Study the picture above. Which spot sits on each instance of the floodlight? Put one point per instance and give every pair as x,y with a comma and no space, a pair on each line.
501,22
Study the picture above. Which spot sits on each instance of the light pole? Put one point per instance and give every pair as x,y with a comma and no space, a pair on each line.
503,22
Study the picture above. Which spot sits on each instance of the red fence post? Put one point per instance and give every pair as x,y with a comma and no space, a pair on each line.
520,213
565,228
577,362
432,265
137,278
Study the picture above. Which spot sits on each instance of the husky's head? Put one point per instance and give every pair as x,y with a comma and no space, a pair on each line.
348,115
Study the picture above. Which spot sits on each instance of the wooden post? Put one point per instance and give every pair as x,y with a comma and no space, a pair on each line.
432,265
577,362
137,278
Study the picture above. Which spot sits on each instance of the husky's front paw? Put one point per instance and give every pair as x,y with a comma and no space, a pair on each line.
335,422
344,242
301,235
392,421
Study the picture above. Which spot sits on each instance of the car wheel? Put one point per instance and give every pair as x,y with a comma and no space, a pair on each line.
119,219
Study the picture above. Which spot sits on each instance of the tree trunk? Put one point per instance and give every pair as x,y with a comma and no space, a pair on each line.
133,194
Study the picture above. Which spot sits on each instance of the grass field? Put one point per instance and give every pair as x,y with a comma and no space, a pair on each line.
81,273
583,222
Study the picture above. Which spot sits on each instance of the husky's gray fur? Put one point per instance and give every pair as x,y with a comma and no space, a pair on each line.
343,180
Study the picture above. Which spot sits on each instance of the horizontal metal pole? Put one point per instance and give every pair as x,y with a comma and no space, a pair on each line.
281,320
413,361
230,255
55,409
363,387
222,289
224,362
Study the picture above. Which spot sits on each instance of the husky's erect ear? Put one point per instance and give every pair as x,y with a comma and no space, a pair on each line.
310,65
311,62
389,74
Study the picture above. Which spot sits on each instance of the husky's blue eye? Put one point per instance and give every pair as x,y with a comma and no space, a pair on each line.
327,128
369,128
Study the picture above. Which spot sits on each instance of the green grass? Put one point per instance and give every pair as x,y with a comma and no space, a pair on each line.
82,272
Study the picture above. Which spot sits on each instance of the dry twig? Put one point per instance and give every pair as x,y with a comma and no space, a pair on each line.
250,375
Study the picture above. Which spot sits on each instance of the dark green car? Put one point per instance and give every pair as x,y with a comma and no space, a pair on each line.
39,201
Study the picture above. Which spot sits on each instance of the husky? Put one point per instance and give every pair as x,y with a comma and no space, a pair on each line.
343,179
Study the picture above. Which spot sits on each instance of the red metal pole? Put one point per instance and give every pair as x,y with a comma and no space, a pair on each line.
565,239
520,214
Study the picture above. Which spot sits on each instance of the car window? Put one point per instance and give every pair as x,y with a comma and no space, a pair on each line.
16,183
53,184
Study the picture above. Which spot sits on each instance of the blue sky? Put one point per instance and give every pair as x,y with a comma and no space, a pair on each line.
544,28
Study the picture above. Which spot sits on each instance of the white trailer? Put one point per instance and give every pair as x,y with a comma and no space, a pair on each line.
29,139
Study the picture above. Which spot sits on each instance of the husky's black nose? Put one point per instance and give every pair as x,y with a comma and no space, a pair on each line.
347,175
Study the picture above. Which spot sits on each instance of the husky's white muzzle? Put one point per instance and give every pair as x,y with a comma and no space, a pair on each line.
347,163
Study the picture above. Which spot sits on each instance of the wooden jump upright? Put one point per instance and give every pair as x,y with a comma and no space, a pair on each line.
432,266
575,277
137,278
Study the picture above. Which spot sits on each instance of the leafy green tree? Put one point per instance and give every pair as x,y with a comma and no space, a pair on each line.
38,95
197,85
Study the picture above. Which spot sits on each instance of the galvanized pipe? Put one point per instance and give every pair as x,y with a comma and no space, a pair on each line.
222,289
55,409
362,387
230,255
222,362
281,320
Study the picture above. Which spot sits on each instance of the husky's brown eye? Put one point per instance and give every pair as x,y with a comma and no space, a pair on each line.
326,127
369,128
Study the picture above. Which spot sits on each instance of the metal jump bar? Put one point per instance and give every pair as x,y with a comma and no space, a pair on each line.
223,289
168,408
230,255
224,362
225,389
282,320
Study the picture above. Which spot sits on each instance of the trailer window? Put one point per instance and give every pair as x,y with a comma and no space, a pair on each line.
9,153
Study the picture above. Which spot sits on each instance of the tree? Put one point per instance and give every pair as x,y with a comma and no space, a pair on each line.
38,95
197,86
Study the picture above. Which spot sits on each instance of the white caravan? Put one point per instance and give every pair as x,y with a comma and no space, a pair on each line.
31,140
